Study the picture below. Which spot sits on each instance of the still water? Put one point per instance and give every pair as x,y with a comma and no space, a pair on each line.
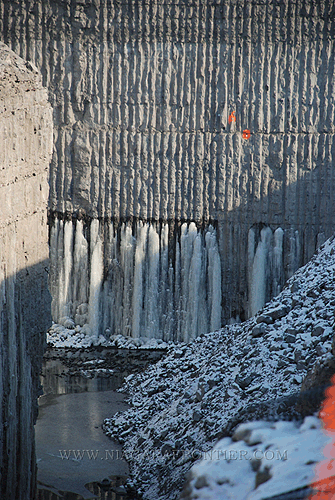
75,459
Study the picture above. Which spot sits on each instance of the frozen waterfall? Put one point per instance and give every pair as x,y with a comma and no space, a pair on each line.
140,279
266,259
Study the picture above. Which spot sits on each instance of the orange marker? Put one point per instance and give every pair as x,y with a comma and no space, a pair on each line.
232,117
324,484
246,134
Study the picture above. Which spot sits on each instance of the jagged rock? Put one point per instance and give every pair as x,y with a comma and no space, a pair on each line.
320,373
320,350
289,338
197,416
245,380
278,312
294,287
264,318
318,330
282,362
259,330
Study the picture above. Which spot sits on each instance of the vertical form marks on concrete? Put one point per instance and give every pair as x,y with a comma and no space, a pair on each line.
26,148
142,93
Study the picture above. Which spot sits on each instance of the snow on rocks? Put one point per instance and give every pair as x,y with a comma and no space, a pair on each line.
202,390
69,335
261,460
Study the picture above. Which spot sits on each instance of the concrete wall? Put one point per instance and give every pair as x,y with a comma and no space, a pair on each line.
142,93
25,153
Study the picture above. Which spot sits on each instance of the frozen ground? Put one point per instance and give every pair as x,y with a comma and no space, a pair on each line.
183,404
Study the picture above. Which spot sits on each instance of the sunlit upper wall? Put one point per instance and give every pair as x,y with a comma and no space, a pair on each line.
25,153
142,94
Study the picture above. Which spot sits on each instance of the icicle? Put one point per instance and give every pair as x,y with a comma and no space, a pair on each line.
151,295
80,275
191,327
278,271
146,293
96,276
61,275
188,235
260,272
177,294
68,255
214,279
164,295
294,253
127,249
137,323
54,284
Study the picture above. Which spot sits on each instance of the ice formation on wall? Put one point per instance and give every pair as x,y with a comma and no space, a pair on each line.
259,268
135,279
266,258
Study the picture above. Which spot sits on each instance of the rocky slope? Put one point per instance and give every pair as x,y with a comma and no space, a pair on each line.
202,390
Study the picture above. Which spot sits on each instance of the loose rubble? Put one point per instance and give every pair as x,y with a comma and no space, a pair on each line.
201,391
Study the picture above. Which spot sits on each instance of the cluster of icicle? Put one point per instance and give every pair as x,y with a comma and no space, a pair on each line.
131,280
266,274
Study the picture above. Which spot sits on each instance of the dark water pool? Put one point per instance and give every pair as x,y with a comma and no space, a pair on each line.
75,459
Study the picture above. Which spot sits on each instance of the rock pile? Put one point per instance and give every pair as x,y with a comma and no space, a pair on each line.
199,393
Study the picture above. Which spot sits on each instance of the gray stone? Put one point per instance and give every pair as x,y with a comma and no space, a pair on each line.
297,379
259,330
320,350
253,388
297,354
264,319
282,362
274,347
245,380
164,434
197,416
294,287
278,312
290,339
318,330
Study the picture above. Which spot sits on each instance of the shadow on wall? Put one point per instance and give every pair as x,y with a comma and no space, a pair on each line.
274,240
177,279
25,315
